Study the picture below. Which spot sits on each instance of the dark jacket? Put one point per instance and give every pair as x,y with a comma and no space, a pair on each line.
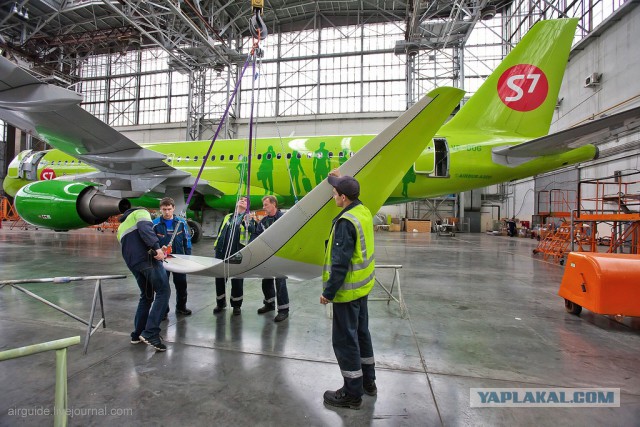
344,243
228,241
181,243
265,223
136,239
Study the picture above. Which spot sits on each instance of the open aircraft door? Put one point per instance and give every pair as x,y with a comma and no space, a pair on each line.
434,161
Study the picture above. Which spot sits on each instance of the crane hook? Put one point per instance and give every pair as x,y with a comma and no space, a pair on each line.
257,26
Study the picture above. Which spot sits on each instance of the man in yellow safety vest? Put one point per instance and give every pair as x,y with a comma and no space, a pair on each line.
347,278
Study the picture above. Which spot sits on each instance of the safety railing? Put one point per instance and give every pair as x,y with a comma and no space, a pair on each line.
97,296
60,347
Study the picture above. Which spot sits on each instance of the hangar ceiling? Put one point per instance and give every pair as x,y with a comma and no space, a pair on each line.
55,34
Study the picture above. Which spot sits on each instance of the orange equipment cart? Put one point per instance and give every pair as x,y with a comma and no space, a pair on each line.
602,283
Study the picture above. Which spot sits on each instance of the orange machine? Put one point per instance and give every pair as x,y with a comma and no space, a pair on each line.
602,283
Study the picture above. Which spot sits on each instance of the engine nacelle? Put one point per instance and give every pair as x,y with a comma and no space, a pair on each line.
64,205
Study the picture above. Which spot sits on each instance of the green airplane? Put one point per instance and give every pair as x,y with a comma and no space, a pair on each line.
500,134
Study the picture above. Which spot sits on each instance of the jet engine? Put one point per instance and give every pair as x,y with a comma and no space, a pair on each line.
64,205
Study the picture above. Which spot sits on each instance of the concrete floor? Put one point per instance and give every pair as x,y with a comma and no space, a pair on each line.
483,312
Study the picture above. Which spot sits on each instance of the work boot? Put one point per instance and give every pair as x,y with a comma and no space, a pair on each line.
281,316
237,311
219,309
266,308
341,399
370,388
183,311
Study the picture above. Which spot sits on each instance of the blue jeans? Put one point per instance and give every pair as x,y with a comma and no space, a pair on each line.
154,300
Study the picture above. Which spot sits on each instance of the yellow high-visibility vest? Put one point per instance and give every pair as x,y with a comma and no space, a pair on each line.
244,233
361,275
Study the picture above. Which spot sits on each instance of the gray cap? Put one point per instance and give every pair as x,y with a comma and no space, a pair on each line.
346,185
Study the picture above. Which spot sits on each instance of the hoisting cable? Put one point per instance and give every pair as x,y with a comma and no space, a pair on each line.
258,30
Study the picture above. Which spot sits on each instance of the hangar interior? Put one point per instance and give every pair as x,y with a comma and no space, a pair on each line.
481,310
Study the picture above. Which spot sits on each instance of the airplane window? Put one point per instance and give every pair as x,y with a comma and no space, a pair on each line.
351,154
331,154
221,157
195,158
309,155
59,162
73,161
341,154
213,157
269,156
186,159
278,156
240,157
259,156
288,155
299,156
178,159
66,161
231,157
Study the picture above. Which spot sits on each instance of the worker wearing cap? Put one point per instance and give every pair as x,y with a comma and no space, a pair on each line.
347,278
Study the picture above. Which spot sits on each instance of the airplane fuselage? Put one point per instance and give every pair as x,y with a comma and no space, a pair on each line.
288,168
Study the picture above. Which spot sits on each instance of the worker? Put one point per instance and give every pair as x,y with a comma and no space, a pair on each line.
511,227
348,277
143,255
233,235
278,294
165,227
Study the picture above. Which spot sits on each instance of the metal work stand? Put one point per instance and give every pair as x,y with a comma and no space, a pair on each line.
389,291
395,283
97,293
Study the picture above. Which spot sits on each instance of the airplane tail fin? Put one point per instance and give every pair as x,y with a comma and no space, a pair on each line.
521,94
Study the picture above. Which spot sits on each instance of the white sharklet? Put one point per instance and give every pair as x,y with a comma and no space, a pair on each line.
260,258
189,263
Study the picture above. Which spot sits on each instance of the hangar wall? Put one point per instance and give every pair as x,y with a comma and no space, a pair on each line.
610,51
343,124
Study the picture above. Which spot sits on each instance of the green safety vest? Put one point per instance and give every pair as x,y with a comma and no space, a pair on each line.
131,222
244,233
361,275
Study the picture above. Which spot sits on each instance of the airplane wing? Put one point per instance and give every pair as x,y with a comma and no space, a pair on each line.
293,246
568,139
54,115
